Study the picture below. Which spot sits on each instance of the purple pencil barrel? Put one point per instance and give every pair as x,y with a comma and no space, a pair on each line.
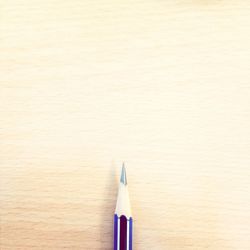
123,230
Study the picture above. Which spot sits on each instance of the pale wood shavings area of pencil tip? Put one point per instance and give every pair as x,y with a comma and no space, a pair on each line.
161,85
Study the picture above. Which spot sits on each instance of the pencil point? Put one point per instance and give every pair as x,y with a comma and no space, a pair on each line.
123,175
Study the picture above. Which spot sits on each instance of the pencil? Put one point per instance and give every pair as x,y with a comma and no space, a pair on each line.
123,222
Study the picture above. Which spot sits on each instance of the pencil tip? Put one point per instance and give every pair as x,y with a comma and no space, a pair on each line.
123,175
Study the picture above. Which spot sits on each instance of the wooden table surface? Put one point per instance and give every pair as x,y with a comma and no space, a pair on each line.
161,85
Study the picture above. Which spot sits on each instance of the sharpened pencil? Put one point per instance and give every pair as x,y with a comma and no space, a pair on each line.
123,222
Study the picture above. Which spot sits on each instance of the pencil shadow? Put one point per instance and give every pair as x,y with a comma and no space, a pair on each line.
109,202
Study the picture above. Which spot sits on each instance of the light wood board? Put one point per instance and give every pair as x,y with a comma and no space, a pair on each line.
161,85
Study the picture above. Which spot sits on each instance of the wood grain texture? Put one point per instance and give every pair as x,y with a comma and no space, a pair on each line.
161,85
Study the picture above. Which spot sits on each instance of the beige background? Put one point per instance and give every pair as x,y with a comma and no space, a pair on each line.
161,85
